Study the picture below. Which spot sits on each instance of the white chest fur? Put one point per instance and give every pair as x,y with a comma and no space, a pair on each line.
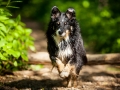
63,52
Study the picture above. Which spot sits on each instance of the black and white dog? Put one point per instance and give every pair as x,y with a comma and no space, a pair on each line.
65,44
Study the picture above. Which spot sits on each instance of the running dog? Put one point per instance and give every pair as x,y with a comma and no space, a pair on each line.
65,44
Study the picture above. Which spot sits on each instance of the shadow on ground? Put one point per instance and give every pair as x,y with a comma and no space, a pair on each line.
87,81
47,84
90,77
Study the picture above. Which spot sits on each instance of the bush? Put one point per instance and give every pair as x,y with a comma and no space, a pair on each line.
15,40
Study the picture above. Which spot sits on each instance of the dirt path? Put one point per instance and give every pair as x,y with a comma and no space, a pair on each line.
91,77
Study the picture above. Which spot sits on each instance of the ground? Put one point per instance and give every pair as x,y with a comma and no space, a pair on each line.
97,77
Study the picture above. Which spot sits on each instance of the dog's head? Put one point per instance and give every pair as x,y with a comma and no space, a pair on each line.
63,22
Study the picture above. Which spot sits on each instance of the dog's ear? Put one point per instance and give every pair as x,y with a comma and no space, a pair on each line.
70,13
55,13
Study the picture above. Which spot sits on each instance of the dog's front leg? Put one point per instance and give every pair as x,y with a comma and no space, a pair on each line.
60,65
67,70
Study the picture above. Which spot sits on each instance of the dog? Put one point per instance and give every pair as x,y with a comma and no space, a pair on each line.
65,44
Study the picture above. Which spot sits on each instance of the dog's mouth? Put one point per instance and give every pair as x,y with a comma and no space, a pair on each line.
59,36
61,33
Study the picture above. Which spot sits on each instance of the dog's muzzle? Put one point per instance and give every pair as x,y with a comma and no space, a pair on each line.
60,33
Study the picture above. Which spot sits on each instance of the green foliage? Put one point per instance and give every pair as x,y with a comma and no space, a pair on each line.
99,20
15,40
35,67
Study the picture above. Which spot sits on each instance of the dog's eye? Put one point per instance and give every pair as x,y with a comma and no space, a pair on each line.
65,23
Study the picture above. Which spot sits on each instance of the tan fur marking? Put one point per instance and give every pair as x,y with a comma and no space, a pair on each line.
67,34
60,65
72,81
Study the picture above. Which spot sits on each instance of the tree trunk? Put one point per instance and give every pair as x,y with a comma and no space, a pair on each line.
100,59
93,59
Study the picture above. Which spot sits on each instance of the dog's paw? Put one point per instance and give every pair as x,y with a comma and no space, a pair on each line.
64,74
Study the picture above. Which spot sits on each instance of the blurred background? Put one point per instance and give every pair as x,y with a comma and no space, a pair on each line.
23,24
99,20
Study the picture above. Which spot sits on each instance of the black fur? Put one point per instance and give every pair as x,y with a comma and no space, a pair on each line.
78,57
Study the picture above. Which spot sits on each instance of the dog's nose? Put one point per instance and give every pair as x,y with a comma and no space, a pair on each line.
60,32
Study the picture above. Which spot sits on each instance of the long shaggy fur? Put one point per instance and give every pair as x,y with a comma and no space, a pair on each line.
64,40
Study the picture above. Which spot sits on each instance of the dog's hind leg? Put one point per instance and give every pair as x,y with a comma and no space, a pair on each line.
72,79
69,73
